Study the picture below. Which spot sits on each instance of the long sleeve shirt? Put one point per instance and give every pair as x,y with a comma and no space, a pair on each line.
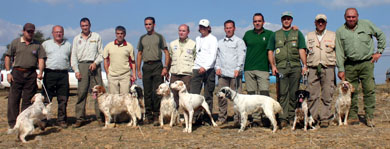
206,52
230,55
357,44
89,49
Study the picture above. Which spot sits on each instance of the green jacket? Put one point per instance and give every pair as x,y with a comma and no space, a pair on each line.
357,44
286,49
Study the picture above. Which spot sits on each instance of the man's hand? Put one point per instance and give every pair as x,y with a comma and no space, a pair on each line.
139,75
133,77
274,71
236,73
341,75
202,70
304,70
92,67
375,57
218,72
164,71
10,78
40,76
78,75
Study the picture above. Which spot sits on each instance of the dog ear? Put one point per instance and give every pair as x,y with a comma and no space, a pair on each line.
33,98
307,94
297,94
168,91
228,94
139,92
102,89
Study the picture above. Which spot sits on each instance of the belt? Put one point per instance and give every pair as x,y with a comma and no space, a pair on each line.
56,70
86,61
152,62
24,69
356,61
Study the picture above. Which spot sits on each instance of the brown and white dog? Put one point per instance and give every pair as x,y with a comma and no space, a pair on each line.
189,103
249,104
30,116
111,104
168,105
302,112
343,102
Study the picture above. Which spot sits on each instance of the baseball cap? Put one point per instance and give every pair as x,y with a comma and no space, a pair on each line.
28,26
204,22
321,16
287,13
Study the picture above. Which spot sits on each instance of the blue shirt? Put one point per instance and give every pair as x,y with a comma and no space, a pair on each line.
58,55
230,55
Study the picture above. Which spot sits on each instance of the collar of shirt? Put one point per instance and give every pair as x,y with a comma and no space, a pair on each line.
228,39
124,43
319,36
22,40
89,35
185,40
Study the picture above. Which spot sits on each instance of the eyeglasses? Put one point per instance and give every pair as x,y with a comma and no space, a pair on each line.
30,31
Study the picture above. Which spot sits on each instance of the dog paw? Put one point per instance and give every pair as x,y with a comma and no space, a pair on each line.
241,130
292,129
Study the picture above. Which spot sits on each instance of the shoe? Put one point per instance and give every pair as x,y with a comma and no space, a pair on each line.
62,124
370,122
236,124
78,124
324,124
147,121
283,123
354,121
100,123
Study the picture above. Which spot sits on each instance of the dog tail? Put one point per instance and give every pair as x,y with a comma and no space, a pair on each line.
277,107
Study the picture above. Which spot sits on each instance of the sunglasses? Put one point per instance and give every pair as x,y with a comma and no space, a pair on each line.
30,31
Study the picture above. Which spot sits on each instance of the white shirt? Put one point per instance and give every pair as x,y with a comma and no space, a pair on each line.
206,52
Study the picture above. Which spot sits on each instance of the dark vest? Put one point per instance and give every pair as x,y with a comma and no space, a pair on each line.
287,49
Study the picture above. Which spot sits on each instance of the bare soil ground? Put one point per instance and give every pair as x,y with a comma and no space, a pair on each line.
149,136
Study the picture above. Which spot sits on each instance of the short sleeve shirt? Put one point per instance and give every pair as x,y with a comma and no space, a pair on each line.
120,56
25,56
151,46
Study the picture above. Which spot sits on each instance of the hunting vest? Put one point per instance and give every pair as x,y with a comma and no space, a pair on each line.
287,53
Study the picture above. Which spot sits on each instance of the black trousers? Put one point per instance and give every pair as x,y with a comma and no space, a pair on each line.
24,86
151,79
57,84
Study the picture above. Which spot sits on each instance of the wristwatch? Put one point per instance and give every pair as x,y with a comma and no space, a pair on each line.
8,71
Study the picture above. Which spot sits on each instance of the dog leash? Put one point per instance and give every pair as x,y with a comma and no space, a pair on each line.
44,89
305,79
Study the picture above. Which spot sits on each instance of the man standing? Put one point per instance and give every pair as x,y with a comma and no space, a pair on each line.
355,60
26,55
229,65
85,61
150,48
182,52
256,61
56,79
321,61
203,73
118,60
289,47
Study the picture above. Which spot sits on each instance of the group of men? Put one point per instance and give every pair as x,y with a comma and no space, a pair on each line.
285,53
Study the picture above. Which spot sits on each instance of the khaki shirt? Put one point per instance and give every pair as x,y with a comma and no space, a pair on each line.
357,44
25,56
183,56
321,51
90,49
119,57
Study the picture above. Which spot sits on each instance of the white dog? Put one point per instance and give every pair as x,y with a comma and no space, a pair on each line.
111,104
302,112
343,102
189,103
168,105
249,104
30,116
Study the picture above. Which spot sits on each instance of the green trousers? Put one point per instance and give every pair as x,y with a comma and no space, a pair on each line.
288,80
151,79
356,72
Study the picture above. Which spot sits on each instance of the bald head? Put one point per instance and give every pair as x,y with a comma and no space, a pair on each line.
58,33
184,30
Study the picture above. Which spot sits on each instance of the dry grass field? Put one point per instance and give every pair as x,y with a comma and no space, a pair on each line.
149,136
